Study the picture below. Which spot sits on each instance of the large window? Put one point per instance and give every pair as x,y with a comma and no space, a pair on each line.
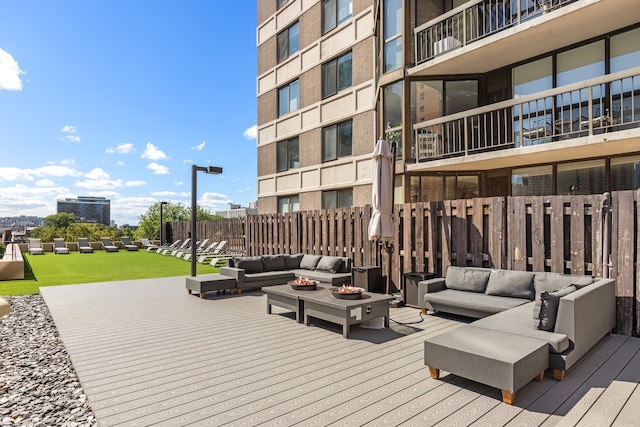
288,204
334,199
392,35
533,181
581,177
288,154
581,63
625,173
334,13
288,42
336,141
288,98
625,50
282,3
336,75
392,115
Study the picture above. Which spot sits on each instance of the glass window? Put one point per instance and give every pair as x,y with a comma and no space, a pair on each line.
426,100
288,204
534,181
334,13
625,173
625,51
392,115
461,96
334,199
288,98
580,64
336,141
581,177
336,75
288,154
288,42
532,77
282,3
392,35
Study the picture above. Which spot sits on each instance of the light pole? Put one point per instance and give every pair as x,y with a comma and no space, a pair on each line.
161,224
214,170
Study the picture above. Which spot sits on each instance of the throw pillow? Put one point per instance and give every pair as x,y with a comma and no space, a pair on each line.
249,264
549,303
466,279
509,283
292,262
273,263
309,262
329,263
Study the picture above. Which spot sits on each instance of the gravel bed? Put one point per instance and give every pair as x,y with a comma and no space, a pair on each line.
38,384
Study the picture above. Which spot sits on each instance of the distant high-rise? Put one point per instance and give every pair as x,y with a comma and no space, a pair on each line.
87,209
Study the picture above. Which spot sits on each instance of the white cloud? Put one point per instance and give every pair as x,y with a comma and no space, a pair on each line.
153,153
38,201
45,183
179,183
137,183
127,210
68,162
100,184
158,169
200,146
120,163
164,193
9,72
214,201
251,133
16,174
69,129
123,148
97,174
70,133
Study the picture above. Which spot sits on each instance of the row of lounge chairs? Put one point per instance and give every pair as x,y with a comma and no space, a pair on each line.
60,247
215,253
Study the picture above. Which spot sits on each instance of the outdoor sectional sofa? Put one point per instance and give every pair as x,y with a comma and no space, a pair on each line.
566,315
268,270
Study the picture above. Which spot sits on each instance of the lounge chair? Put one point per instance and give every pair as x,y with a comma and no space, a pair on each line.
148,245
200,246
204,251
161,248
108,246
59,246
172,251
83,246
35,247
126,242
217,252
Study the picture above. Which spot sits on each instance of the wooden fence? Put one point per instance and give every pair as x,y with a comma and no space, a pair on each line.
561,234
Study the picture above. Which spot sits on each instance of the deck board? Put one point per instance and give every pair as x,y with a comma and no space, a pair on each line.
148,353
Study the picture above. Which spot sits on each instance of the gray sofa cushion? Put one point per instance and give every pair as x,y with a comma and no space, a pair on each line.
292,261
273,263
271,277
324,276
518,321
249,264
549,307
550,282
514,284
472,304
329,263
309,262
466,279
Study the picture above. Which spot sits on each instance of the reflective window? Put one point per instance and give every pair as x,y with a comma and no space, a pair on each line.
581,177
625,51
288,154
282,3
336,141
392,115
392,35
533,77
534,181
581,63
334,199
336,75
625,173
288,42
334,13
288,98
461,95
288,204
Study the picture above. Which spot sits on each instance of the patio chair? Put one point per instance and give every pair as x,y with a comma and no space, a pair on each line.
108,246
172,251
218,252
200,246
83,246
207,250
35,247
161,248
59,246
126,242
148,245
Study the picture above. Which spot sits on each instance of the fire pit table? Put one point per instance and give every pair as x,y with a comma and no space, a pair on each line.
285,297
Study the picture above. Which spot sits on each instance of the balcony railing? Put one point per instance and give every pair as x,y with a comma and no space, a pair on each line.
605,104
476,20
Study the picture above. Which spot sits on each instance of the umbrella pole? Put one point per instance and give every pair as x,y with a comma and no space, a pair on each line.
389,245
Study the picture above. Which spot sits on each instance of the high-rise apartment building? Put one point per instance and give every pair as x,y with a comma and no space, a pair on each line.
87,209
482,97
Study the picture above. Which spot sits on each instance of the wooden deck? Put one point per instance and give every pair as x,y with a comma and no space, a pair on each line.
147,353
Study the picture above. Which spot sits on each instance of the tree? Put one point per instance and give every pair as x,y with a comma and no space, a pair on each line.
149,222
60,220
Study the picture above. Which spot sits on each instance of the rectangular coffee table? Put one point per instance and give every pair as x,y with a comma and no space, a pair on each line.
285,297
323,305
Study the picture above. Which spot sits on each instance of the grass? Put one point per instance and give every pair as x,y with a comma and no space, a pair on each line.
100,266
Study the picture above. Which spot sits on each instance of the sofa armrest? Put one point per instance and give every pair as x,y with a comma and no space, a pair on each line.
586,316
236,273
429,286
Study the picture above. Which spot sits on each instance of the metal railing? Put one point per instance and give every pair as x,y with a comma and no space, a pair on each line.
476,20
604,104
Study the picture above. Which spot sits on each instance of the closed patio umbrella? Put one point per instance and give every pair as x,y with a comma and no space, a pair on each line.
381,224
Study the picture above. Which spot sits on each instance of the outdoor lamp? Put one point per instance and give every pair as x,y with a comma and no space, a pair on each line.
161,224
214,170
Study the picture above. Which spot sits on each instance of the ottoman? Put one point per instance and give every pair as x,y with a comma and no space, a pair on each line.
210,282
498,359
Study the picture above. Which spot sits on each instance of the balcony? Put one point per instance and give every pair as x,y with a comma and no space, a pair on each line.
484,35
601,111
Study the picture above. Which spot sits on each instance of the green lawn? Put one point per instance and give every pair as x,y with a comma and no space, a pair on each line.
100,266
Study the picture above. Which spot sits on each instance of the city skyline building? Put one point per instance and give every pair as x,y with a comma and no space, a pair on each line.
87,209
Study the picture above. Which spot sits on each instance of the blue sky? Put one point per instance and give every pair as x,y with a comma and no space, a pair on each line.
119,98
